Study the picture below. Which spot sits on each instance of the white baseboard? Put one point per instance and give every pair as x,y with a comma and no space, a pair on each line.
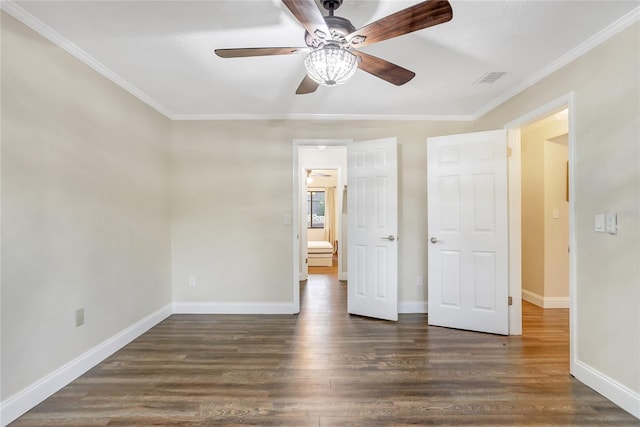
533,298
23,401
406,307
232,308
545,302
619,394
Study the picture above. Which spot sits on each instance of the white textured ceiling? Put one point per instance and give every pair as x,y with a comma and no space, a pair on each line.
162,51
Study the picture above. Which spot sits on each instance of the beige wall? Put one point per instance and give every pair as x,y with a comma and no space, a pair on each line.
532,203
85,220
215,220
85,213
545,261
605,82
556,227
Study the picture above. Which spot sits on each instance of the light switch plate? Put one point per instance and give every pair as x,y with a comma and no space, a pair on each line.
612,223
79,317
599,223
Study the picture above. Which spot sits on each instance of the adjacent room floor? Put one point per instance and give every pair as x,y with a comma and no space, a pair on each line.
324,367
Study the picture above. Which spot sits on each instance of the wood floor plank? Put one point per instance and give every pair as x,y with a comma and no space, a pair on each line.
324,367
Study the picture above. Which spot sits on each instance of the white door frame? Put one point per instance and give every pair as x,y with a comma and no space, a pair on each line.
297,215
515,230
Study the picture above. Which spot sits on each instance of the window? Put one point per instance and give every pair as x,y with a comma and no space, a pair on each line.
315,209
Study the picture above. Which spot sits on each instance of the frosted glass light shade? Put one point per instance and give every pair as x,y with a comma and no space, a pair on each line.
331,66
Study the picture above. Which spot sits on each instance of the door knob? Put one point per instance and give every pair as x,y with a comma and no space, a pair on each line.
390,238
434,240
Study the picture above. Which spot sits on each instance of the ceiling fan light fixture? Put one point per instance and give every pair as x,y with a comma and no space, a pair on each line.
331,65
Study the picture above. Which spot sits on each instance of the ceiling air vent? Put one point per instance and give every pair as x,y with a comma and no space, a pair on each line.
490,77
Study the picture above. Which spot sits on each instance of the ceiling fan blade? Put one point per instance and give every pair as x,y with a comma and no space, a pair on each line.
414,18
308,14
257,51
384,69
308,85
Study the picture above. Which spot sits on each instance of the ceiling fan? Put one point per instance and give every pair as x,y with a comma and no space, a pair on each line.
332,42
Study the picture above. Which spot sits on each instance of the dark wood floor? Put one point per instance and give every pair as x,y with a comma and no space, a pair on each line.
326,368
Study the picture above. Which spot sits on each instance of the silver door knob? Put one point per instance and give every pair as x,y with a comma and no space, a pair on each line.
434,240
390,238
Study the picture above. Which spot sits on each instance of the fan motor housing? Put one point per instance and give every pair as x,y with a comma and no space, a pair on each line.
331,5
338,27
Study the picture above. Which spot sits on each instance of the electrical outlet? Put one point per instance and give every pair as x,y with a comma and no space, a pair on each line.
79,317
192,281
419,280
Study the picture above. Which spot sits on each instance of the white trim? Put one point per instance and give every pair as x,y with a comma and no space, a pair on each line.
545,110
619,394
311,116
408,307
59,40
545,302
557,104
297,144
556,302
343,276
584,47
533,298
40,27
296,231
23,401
233,308
514,163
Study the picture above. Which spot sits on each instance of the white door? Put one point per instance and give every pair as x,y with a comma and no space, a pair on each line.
372,217
467,231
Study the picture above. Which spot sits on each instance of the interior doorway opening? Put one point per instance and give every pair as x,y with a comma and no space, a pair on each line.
320,232
551,126
323,221
545,211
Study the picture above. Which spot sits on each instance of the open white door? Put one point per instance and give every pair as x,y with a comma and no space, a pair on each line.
372,198
468,231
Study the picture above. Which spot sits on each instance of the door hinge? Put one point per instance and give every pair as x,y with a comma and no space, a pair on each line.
508,151
510,300
306,260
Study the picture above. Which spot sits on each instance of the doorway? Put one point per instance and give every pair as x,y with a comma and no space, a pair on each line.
545,211
560,109
320,167
323,213
372,249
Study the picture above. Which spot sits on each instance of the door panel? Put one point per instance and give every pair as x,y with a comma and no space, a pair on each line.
373,228
467,228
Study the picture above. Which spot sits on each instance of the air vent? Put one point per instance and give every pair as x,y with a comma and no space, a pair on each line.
490,78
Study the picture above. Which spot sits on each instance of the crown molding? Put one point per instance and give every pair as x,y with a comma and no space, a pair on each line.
41,28
327,117
584,47
56,38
